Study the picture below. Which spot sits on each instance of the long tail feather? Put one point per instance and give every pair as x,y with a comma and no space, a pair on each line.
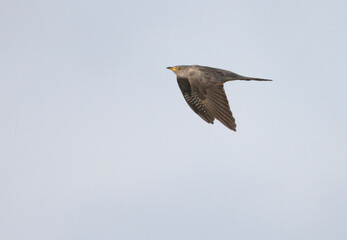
239,77
254,79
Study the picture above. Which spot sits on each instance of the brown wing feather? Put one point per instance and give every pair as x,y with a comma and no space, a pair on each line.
209,103
217,103
193,100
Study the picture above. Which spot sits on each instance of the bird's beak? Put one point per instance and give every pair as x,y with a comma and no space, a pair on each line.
171,68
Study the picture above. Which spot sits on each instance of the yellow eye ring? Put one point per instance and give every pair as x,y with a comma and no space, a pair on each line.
178,68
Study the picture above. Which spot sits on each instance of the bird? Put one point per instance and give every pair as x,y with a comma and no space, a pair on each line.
203,89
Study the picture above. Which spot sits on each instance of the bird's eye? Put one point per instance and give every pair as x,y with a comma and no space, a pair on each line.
178,68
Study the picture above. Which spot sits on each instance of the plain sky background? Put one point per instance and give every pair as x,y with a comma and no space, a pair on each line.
97,141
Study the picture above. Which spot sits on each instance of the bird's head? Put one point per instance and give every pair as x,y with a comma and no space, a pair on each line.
181,71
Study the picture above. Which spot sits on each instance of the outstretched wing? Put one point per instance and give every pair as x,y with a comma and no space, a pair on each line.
217,103
209,90
193,100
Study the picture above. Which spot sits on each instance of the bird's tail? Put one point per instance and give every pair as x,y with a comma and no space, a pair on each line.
239,77
254,79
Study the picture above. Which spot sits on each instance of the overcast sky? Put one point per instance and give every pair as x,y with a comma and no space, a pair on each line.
97,141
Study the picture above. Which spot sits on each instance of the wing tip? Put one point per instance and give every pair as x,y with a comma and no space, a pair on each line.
233,128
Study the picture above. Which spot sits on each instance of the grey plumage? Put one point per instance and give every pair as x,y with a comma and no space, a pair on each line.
202,88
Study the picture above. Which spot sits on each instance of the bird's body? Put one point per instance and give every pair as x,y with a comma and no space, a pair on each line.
202,88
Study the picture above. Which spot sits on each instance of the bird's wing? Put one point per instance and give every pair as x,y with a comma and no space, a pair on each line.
217,103
193,100
214,99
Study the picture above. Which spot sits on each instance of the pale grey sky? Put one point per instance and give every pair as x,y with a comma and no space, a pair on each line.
97,141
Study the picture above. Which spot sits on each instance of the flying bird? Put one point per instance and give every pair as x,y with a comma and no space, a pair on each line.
202,88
